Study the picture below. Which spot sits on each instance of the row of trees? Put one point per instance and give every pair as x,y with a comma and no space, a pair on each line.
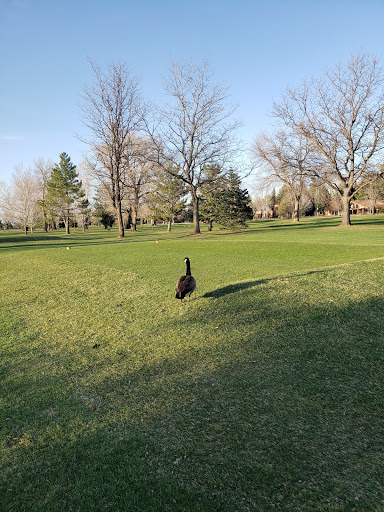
317,199
140,152
50,194
372,192
44,195
190,139
329,130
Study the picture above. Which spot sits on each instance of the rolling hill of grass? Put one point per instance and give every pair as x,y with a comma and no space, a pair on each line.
264,392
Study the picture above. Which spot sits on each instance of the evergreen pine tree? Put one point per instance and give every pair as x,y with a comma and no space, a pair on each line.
167,200
64,190
209,208
215,181
233,203
84,212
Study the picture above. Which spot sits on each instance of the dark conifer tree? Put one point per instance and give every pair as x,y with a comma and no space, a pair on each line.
233,203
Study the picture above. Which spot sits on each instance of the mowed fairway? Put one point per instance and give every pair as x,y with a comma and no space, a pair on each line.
264,392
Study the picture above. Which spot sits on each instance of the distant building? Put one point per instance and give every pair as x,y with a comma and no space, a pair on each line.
366,206
265,213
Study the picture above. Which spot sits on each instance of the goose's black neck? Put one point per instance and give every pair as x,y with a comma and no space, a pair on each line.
188,273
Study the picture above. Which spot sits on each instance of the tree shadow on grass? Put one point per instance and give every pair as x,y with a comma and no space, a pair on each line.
26,243
233,288
279,409
238,287
29,239
316,222
19,242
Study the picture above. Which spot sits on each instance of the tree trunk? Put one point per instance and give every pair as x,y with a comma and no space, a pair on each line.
116,202
346,213
134,219
296,211
127,223
210,225
120,223
45,228
196,219
169,225
66,224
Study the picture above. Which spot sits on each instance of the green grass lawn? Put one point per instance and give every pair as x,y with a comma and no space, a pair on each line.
263,393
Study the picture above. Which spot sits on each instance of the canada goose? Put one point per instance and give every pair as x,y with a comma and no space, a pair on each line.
186,284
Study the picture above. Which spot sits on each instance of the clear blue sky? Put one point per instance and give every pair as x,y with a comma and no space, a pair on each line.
256,47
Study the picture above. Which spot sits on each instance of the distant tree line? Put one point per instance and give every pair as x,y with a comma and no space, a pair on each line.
317,199
53,195
181,160
46,195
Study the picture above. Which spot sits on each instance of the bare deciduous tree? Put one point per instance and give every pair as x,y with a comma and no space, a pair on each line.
283,158
112,113
42,172
138,174
342,117
19,201
195,129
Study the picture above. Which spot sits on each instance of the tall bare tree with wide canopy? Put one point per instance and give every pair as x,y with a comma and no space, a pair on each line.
112,113
19,200
194,129
283,157
342,116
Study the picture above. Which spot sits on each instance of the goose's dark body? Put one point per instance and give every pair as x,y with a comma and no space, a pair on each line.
186,284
